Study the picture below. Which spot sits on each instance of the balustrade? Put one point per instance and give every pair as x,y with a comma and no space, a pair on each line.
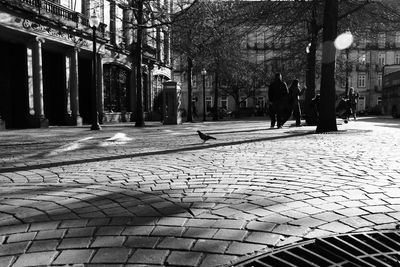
60,11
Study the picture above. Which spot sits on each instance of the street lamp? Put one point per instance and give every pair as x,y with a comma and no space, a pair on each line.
94,23
343,42
203,74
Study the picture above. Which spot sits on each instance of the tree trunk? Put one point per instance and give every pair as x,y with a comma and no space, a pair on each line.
139,59
327,112
215,115
189,72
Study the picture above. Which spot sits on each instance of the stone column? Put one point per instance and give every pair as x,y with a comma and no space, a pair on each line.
38,119
73,88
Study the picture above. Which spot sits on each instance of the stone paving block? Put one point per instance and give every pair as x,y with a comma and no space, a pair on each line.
108,241
377,209
120,221
111,255
76,256
216,260
316,233
80,232
141,241
379,218
180,258
238,248
13,229
168,231
138,230
275,218
73,223
213,246
50,234
199,222
172,221
260,226
43,245
13,248
38,226
75,242
110,230
230,224
98,222
6,261
143,220
286,229
176,243
35,259
148,256
230,234
307,222
328,216
263,238
21,237
351,211
200,232
336,227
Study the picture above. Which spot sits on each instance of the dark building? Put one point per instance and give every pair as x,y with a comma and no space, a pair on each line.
46,62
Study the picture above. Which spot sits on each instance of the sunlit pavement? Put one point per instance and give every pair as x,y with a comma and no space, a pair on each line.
157,195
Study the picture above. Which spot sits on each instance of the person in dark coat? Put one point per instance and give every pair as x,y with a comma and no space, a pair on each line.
294,96
278,95
353,98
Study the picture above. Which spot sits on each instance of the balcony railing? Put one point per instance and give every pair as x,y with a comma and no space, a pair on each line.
44,7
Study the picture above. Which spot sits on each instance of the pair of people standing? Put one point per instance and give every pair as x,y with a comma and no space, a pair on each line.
284,101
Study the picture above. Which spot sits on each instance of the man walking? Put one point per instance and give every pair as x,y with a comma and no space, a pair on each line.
278,95
353,98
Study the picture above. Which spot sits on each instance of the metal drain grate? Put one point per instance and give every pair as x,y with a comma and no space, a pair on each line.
372,249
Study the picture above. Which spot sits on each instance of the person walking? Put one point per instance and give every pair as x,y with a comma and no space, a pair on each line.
294,96
353,98
278,95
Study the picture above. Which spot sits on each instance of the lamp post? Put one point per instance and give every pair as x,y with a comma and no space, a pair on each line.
94,23
203,74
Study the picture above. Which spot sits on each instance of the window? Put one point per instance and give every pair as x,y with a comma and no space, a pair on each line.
397,38
381,40
361,80
397,59
243,102
380,80
209,103
381,59
362,58
119,29
208,81
224,101
379,100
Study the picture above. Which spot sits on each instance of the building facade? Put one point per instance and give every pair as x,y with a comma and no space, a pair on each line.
46,51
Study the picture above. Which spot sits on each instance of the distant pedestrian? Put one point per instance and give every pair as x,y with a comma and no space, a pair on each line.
194,109
294,96
278,95
353,98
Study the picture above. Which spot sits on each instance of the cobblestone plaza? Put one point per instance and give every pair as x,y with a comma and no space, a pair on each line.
158,196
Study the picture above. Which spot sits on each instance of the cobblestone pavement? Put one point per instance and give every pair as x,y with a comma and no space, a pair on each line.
157,195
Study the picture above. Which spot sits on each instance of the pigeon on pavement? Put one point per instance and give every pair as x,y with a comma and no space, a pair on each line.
205,137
